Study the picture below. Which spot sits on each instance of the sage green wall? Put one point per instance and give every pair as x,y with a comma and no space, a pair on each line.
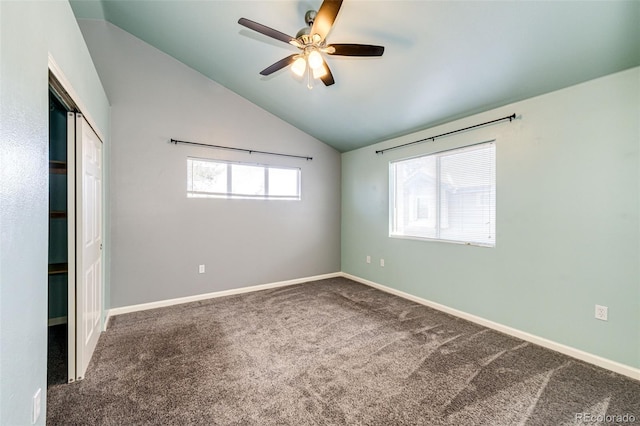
29,32
568,220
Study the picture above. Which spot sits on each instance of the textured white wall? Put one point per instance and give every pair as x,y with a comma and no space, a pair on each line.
29,32
159,236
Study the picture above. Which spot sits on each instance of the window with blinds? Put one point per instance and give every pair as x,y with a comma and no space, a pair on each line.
448,196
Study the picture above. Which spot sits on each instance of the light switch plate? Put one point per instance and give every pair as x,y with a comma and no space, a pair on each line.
37,406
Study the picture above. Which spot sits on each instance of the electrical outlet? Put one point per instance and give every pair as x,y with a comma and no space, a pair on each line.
602,312
368,259
382,262
201,269
37,406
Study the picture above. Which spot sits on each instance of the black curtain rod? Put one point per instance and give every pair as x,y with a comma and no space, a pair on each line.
433,138
250,151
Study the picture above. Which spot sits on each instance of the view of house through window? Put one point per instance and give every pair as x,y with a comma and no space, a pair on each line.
449,195
222,179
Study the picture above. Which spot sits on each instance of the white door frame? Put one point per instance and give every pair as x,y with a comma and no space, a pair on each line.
71,244
72,373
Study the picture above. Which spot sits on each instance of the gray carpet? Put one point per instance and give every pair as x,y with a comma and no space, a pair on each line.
329,352
57,355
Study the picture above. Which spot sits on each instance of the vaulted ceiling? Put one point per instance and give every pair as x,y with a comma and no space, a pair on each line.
443,60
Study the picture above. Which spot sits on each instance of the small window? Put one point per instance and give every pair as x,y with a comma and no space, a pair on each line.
222,179
448,196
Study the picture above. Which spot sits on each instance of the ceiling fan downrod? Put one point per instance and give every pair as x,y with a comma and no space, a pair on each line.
305,33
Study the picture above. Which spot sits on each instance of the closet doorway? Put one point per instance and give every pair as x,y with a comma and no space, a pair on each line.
75,238
58,308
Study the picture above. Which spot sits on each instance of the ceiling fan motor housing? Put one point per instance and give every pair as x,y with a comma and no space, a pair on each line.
309,18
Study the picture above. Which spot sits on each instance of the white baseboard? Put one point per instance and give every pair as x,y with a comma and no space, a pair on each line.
608,364
617,367
205,296
57,321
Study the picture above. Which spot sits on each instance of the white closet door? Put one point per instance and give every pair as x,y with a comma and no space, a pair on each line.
88,243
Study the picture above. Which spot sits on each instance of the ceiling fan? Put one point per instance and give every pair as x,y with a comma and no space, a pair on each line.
312,43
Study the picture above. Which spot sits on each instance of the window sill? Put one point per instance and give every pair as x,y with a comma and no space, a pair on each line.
439,240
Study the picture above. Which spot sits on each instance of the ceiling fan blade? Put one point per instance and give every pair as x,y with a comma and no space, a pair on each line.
327,79
279,65
263,29
325,18
355,50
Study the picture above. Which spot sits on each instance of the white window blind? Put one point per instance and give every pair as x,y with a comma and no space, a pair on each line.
450,196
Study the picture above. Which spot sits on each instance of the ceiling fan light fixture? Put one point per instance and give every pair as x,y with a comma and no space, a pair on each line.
315,60
319,72
299,66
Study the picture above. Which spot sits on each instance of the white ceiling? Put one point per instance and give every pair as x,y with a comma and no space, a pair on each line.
443,59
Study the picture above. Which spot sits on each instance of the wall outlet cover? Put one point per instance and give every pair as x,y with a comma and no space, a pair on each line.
602,312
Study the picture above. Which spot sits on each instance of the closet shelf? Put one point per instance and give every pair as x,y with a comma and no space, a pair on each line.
58,167
58,268
54,214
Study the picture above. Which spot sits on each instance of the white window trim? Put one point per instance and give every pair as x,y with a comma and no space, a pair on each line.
229,195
